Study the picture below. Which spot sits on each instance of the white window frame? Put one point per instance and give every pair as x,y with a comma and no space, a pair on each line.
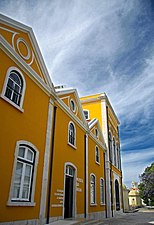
98,162
94,194
86,110
20,106
72,101
21,202
96,133
110,147
72,145
102,202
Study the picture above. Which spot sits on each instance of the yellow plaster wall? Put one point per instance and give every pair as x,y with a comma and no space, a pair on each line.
98,170
94,110
29,126
64,153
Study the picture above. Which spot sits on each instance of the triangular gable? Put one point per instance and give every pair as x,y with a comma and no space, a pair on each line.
22,40
93,125
67,95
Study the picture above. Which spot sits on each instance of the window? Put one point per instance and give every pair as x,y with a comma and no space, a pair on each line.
92,189
71,134
72,105
96,132
102,199
114,152
97,158
24,174
86,114
110,147
14,87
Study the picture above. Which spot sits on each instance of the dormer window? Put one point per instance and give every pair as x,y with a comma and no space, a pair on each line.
96,132
86,114
72,105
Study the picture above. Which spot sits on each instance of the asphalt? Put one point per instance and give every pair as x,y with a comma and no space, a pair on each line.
143,216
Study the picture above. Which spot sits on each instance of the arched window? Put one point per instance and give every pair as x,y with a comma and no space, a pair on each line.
102,192
71,134
110,147
97,157
14,87
24,174
117,195
114,152
92,189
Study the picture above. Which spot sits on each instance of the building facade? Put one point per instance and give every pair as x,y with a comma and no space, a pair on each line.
98,106
54,160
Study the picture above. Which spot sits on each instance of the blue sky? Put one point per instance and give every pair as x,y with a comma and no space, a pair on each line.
101,46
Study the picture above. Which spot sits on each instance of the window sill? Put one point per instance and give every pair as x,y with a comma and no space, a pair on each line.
102,204
98,163
73,146
21,204
93,204
12,103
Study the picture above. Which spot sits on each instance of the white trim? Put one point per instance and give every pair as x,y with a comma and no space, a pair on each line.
74,91
74,189
97,162
22,27
31,203
95,203
74,146
75,107
5,86
7,48
28,49
46,164
100,97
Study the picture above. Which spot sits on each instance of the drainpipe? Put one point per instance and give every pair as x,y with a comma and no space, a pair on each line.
86,176
51,167
110,162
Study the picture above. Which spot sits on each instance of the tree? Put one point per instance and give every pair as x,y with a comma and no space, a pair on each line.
146,186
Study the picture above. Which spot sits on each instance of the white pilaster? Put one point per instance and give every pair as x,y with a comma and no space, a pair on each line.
47,153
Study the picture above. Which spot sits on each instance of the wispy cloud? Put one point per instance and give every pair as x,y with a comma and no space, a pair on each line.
101,46
134,162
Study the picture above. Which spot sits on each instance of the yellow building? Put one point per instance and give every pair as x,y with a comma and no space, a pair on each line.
133,196
26,109
53,157
98,106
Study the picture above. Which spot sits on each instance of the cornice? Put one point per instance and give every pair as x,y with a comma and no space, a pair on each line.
73,91
26,29
7,48
101,97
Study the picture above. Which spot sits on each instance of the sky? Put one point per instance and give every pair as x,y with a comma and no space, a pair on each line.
101,46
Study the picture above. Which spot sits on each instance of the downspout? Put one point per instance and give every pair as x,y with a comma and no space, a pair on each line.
51,167
110,162
86,176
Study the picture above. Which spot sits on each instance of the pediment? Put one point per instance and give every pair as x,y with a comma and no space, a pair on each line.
95,125
23,42
68,96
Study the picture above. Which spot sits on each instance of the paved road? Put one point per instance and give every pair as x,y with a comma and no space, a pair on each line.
142,217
